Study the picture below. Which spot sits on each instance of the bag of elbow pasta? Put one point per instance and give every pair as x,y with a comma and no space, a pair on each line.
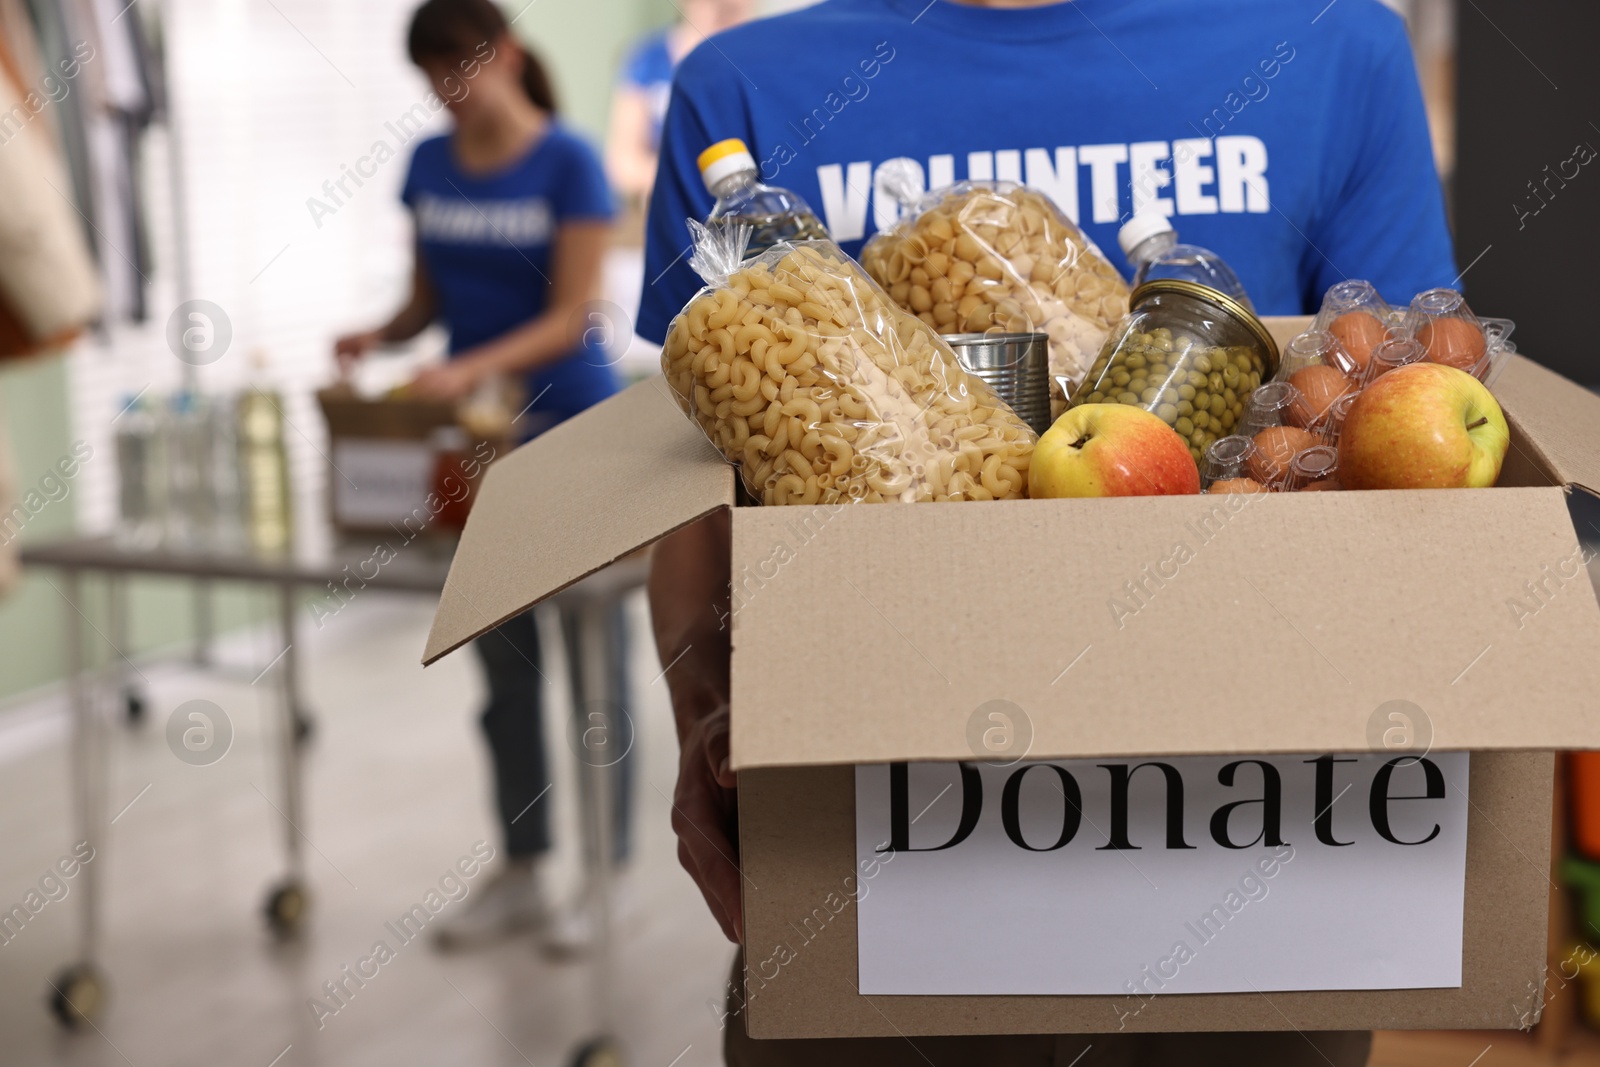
806,376
980,256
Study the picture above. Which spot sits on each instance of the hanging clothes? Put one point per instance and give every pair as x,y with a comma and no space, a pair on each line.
47,278
24,62
72,59
124,109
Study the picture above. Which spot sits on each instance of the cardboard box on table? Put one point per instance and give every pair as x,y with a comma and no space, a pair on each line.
833,654
383,458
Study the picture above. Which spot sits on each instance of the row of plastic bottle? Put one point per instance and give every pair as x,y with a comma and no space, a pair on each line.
774,214
203,472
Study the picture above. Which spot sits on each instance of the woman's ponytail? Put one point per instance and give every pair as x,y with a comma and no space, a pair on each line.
536,82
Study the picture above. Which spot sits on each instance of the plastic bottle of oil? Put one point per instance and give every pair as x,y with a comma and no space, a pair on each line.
773,214
265,464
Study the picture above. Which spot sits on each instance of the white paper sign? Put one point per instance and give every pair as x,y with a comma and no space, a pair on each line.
1129,880
379,480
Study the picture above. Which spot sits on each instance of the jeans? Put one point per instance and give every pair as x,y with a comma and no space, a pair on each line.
513,722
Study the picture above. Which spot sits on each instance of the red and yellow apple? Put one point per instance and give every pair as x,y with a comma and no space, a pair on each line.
1111,450
1423,426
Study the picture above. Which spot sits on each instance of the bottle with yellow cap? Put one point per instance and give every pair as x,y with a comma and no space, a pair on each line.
773,214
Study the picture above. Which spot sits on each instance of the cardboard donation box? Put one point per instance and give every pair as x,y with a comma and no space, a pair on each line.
385,455
1147,764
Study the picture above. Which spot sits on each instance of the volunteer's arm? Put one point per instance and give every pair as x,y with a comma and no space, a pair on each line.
1387,222
420,309
580,248
689,603
629,159
689,597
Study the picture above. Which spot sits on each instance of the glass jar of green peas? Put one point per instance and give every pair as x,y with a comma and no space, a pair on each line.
1190,354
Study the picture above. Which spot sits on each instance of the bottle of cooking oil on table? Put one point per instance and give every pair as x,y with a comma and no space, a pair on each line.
773,214
265,464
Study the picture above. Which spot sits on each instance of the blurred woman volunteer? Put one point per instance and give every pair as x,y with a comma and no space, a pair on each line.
512,217
639,104
1288,135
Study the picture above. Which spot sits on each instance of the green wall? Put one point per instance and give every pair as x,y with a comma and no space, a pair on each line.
34,396
584,44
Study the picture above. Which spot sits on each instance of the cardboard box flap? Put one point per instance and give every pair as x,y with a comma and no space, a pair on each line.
1558,419
349,414
617,477
1175,625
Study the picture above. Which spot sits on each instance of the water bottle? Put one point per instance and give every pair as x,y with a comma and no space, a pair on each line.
773,214
141,475
185,433
225,475
1151,245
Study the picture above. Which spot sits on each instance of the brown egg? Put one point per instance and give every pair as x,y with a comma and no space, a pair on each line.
1237,485
1360,333
1319,387
1454,342
1321,487
1275,447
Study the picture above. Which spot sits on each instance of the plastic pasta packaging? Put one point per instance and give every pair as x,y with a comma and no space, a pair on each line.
803,373
977,256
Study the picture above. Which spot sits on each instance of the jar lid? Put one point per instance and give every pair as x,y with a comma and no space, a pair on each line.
1219,300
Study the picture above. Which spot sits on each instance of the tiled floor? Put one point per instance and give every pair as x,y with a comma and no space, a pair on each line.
396,793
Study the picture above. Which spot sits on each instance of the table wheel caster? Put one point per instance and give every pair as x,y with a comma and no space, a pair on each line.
77,996
286,909
600,1052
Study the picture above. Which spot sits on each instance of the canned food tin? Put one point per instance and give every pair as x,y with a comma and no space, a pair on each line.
1016,366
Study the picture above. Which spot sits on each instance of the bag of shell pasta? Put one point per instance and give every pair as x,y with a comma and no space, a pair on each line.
980,256
806,376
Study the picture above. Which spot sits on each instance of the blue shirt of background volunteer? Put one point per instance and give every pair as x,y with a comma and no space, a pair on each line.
1305,155
648,69
487,242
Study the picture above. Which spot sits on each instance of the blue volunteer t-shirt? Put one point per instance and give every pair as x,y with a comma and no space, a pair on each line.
1286,135
649,70
487,241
